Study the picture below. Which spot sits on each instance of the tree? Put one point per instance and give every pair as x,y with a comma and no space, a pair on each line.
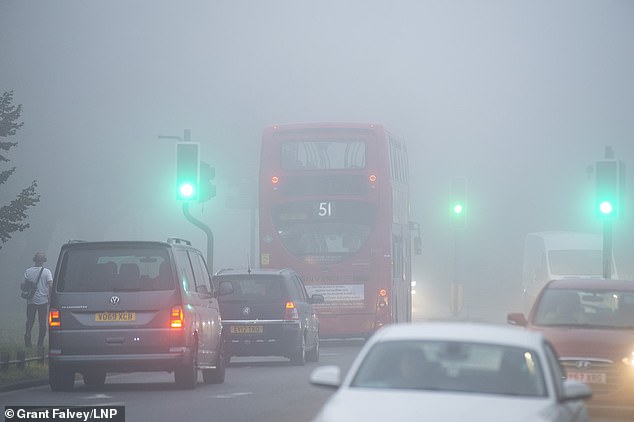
13,215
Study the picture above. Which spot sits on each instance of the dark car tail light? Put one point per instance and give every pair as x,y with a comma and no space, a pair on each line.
291,312
53,318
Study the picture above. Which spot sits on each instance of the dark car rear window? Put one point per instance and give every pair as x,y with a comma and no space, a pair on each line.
261,288
115,269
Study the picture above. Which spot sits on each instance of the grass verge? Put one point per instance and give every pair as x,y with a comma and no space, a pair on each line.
32,370
12,342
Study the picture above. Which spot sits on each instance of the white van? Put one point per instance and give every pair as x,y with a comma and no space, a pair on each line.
555,255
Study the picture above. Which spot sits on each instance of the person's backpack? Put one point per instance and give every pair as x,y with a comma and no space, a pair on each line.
29,287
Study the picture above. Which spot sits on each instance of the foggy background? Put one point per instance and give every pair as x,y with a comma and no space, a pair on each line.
519,97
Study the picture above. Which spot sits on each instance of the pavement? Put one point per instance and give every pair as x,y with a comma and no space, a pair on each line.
19,385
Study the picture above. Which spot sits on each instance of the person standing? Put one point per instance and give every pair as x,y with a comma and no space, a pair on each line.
38,304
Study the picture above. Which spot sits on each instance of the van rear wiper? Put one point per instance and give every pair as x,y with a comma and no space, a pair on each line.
234,301
126,289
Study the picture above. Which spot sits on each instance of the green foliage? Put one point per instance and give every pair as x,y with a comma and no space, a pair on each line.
13,215
9,115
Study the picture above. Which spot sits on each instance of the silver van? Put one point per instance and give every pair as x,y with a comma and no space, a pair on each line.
127,306
555,255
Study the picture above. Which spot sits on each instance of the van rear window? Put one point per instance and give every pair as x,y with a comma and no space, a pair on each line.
115,269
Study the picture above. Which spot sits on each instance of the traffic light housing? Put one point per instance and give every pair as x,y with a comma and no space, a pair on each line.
206,185
458,203
609,180
187,166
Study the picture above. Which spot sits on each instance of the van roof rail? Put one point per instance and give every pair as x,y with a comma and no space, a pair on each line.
178,240
75,241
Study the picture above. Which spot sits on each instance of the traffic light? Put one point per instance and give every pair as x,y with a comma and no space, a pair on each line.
187,171
207,187
458,203
608,184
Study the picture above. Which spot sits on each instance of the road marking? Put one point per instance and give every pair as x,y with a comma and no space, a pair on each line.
97,396
232,395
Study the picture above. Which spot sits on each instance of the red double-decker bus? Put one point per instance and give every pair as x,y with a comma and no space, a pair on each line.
334,206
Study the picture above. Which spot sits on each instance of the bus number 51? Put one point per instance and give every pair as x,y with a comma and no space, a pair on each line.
325,209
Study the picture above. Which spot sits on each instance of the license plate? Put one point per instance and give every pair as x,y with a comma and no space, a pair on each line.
247,329
115,316
588,377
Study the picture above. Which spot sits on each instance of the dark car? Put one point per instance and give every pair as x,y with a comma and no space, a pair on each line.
268,313
133,306
591,325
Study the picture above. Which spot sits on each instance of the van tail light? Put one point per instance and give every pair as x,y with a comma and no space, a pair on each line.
291,313
53,318
176,317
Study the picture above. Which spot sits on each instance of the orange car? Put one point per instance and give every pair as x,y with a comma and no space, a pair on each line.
591,325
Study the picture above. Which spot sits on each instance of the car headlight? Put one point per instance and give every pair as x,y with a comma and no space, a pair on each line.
629,360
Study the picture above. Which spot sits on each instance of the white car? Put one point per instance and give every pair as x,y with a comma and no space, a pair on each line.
452,371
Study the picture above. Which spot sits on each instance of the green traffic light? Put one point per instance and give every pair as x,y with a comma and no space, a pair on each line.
186,190
609,180
457,200
187,165
606,208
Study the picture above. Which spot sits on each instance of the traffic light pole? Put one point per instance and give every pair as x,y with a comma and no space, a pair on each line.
607,250
458,222
609,191
455,298
208,232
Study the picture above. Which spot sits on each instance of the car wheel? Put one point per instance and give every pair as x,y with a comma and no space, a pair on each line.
217,374
313,354
186,376
94,379
299,357
60,379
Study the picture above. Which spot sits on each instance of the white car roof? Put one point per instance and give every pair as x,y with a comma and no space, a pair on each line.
461,331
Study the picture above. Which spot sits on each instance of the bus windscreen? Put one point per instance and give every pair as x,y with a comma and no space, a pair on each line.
324,232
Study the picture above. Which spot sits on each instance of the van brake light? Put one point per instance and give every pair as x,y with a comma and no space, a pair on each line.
53,318
176,317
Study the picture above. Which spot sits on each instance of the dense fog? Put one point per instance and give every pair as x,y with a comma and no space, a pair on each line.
519,97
